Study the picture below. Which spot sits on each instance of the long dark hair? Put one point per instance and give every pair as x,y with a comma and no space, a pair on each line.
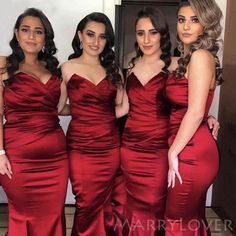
159,22
209,15
107,56
46,55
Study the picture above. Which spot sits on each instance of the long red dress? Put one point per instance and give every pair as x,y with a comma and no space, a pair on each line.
94,144
198,167
36,147
144,156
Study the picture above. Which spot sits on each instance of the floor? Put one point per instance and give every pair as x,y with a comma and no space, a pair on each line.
218,228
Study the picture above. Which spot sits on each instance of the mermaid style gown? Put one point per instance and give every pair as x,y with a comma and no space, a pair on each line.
36,147
144,156
198,167
94,147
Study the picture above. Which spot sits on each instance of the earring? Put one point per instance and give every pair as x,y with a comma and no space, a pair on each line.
81,45
43,48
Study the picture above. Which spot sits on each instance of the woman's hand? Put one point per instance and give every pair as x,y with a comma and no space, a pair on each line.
173,170
5,166
214,125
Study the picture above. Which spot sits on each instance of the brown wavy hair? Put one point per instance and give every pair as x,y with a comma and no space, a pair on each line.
209,15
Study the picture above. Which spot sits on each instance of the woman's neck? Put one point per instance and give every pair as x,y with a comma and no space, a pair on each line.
186,49
150,59
31,59
91,60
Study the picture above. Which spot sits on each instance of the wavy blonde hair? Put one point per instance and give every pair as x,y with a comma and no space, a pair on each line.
209,15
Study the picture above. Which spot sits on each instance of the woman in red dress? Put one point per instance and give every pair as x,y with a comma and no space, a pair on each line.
95,92
144,142
34,164
193,155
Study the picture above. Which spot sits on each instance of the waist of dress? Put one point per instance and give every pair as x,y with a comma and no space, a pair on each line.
156,127
202,131
175,122
93,133
148,114
31,121
35,145
94,118
88,110
146,134
145,144
92,145
94,123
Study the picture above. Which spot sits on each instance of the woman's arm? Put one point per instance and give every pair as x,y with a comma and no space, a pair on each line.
200,81
67,71
5,166
63,108
65,111
122,101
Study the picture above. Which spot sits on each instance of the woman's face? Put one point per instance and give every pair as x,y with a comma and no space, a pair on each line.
93,38
188,26
31,35
147,37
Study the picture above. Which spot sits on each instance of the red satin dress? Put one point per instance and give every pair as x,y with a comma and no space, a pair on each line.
36,148
144,156
94,144
198,167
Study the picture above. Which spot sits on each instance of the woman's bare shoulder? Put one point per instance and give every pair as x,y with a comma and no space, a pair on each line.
69,68
3,68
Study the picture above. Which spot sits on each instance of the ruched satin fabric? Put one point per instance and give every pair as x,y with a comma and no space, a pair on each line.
198,167
36,147
94,148
144,156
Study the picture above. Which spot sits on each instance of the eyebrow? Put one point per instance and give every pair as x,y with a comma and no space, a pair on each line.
91,31
190,16
144,30
27,26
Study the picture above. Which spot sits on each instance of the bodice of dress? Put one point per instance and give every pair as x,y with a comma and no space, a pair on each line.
177,95
30,104
30,110
93,124
147,124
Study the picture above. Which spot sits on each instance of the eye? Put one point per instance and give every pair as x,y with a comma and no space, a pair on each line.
24,30
89,34
180,20
39,32
103,37
154,32
139,33
195,20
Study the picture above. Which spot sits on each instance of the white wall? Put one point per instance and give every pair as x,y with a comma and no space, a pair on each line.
64,16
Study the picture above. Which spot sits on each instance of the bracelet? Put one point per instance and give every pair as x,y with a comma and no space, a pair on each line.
2,152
